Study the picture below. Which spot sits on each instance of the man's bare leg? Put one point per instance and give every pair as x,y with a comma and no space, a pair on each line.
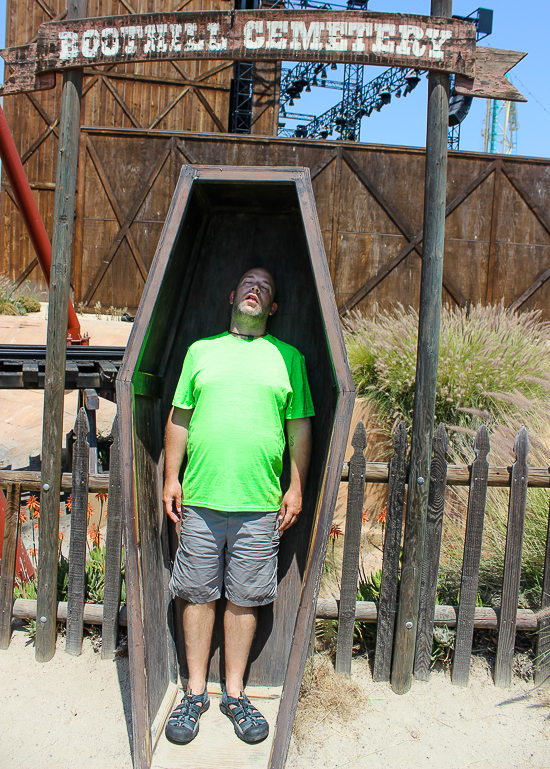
198,623
239,629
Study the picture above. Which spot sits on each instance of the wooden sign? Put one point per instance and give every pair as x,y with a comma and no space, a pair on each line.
383,39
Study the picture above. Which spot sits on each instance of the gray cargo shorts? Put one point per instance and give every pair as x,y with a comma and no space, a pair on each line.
238,549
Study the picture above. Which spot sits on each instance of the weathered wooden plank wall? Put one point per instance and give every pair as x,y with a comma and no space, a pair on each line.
369,201
142,122
172,96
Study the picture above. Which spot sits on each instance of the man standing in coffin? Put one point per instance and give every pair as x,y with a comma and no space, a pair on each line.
237,393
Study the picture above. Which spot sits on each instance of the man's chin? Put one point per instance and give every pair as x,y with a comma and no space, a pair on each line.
252,310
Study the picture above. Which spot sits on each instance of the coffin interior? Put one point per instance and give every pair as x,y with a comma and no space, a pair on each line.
227,228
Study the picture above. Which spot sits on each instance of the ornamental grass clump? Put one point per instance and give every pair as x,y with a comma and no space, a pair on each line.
491,362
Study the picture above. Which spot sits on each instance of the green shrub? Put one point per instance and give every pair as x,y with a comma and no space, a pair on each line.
29,303
494,369
490,360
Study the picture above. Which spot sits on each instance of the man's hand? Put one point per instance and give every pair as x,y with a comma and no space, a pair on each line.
299,448
291,507
171,497
175,445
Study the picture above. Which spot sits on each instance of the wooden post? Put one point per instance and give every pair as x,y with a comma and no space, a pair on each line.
426,369
113,550
352,545
77,548
512,562
432,551
52,435
9,551
542,660
471,559
390,562
90,400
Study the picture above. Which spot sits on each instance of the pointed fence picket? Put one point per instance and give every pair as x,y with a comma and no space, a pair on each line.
77,548
471,560
390,563
430,561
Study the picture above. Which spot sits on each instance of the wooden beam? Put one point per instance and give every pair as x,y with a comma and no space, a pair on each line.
77,548
30,481
471,560
124,230
205,103
171,106
352,546
52,436
406,250
116,207
9,553
512,562
121,103
484,617
337,190
113,552
390,562
26,272
493,235
426,370
322,164
432,551
375,472
93,612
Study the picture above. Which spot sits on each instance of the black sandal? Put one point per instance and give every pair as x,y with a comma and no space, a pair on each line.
249,724
183,724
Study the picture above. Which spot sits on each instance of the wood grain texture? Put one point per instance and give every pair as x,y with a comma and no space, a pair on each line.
60,271
390,560
447,45
376,256
24,608
352,545
471,559
113,551
542,660
30,481
485,617
79,533
9,552
426,374
430,561
512,562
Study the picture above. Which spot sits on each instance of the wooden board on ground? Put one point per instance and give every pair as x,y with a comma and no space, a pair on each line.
217,742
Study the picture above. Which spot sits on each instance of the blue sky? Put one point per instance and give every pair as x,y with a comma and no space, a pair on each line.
516,26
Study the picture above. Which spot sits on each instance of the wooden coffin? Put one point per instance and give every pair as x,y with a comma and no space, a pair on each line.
223,221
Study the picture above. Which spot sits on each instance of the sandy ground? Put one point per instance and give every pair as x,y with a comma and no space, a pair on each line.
74,713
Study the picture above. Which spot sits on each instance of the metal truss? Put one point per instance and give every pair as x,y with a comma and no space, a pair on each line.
360,101
242,85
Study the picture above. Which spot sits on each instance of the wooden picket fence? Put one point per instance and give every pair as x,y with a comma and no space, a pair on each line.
478,476
80,483
465,617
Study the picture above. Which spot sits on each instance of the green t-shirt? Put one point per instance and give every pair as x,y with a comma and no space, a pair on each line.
241,392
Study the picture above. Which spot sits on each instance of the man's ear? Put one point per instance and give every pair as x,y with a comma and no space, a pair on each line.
231,297
273,308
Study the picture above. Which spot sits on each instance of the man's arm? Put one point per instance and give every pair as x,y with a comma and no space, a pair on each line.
175,446
299,447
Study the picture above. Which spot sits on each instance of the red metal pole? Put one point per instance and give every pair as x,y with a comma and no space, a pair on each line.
31,216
